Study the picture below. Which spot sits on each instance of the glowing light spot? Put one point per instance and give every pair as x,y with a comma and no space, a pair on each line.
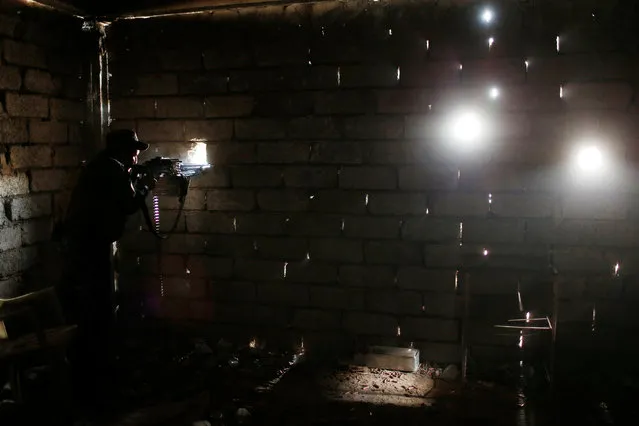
487,16
616,269
527,64
427,45
398,73
427,211
234,224
366,200
521,339
527,316
485,252
456,280
491,41
339,76
197,154
253,343
285,267
558,43
493,93
390,32
188,271
399,331
490,198
308,256
561,92
589,158
467,127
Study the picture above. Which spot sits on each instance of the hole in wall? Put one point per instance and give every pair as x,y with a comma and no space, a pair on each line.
399,331
308,255
235,224
485,252
253,343
188,271
461,233
427,211
527,317
312,196
399,73
323,32
527,65
427,45
390,31
491,41
521,339
456,279
615,270
366,200
558,44
284,269
339,76
594,317
561,92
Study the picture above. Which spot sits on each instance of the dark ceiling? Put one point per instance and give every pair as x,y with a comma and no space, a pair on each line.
112,8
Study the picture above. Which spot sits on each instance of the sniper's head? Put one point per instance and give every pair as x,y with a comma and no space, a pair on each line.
124,146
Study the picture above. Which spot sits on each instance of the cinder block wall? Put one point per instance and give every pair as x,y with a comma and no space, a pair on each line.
42,87
338,211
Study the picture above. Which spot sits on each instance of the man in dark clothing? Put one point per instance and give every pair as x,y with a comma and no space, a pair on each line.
100,204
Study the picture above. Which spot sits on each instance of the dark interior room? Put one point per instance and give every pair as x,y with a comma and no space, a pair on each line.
327,212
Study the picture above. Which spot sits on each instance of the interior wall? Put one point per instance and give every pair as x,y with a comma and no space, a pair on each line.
340,211
42,87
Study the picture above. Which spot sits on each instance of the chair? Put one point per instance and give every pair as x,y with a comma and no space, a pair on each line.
39,341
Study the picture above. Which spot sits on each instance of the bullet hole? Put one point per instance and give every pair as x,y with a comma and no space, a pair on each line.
423,308
527,64
594,317
284,271
427,211
427,45
342,225
398,74
399,331
558,44
253,343
234,224
308,256
491,41
461,67
456,280
312,196
527,316
366,200
561,92
461,233
485,252
521,339
390,32
490,198
323,32
615,270
339,77
188,271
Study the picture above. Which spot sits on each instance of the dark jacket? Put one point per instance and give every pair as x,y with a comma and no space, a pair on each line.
101,202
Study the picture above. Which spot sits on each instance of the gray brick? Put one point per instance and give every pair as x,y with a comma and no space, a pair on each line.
67,156
430,229
311,272
326,297
233,291
30,207
179,107
432,329
209,267
259,270
612,206
368,76
314,128
185,244
397,204
345,102
261,224
40,82
493,231
283,152
259,129
48,132
161,131
48,180
189,288
10,238
157,84
379,127
314,225
282,294
229,106
371,227
30,156
199,83
289,249
367,276
428,177
420,278
11,185
310,177
10,78
131,108
36,231
442,256
311,319
459,204
393,252
337,250
13,130
210,130
184,59
215,177
283,200
24,54
230,199
365,177
337,153
395,302
375,324
256,176
526,205
26,105
195,200
229,245
339,201
63,109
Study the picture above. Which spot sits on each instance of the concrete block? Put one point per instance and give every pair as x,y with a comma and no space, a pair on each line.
609,206
189,288
283,104
17,260
379,127
63,109
13,130
493,230
157,84
370,324
393,253
283,200
24,54
172,107
430,229
229,245
337,153
311,272
228,106
186,59
458,204
426,279
230,199
26,105
282,294
428,177
40,82
30,156
215,177
48,132
169,264
326,297
233,55
161,130
403,101
394,302
336,250
225,153
210,130
259,129
256,176
10,78
494,71
442,330
528,205
259,270
371,227
389,358
185,244
30,207
597,95
366,276
367,177
209,222
48,180
368,76
286,49
314,225
282,248
131,108
10,238
200,83
439,305
442,255
396,203
431,74
314,128
283,153
67,156
339,201
209,267
260,224
345,102
312,319
240,291
311,177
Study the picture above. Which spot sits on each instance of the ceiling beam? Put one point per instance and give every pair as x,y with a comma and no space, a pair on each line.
56,5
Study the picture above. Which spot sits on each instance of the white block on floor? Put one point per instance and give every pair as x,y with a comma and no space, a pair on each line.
390,358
